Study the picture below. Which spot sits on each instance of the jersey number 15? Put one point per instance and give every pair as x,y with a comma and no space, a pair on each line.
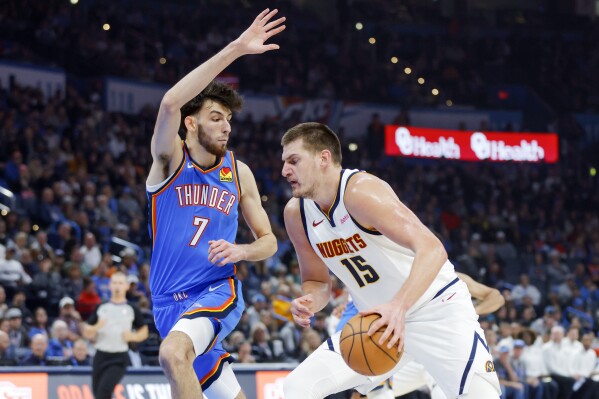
360,270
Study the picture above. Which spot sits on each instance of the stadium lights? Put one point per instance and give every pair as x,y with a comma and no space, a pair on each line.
74,2
372,40
421,81
264,198
106,26
449,103
407,70
435,92
394,60
352,147
4,212
35,227
359,26
162,60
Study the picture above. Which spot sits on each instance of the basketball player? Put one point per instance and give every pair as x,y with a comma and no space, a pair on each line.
413,375
194,189
354,224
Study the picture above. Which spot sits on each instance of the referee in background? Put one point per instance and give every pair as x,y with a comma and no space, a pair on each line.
111,327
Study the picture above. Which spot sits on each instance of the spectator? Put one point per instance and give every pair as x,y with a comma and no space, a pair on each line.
73,283
557,271
583,368
101,279
128,206
40,246
309,342
12,273
544,324
533,388
88,299
320,326
19,337
129,261
47,285
59,344
80,356
244,354
59,238
91,254
8,355
3,304
532,357
19,301
40,323
133,292
558,359
262,345
69,315
511,388
258,305
525,289
39,345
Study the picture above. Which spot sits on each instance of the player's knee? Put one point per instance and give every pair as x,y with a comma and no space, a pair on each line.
176,351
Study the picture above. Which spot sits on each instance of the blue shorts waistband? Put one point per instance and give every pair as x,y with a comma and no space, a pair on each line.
180,296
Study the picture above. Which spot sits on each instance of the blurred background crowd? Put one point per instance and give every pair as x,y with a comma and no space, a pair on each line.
78,172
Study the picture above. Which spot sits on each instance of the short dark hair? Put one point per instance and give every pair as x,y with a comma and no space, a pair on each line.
316,138
217,92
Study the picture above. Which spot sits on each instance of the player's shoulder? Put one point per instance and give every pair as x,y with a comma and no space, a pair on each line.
362,182
243,170
292,208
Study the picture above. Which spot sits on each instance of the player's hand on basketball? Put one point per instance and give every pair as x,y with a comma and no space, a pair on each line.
221,252
392,316
252,40
300,309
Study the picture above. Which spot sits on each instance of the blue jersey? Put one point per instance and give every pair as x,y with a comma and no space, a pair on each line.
192,207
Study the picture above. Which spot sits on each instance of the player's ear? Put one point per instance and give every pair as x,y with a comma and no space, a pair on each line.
190,122
325,157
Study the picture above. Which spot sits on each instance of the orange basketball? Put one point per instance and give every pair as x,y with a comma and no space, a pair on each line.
363,353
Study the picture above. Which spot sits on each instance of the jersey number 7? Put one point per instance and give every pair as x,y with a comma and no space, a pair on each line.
201,223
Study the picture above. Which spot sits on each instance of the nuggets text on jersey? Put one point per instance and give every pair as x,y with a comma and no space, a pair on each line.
341,246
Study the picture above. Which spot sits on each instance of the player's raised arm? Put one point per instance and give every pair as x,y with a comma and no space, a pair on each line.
316,282
164,147
265,244
490,298
374,204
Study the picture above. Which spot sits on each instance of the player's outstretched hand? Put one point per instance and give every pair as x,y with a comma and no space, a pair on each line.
252,40
394,317
300,309
222,252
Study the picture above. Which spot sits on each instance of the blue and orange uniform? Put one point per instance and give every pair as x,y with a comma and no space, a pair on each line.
192,207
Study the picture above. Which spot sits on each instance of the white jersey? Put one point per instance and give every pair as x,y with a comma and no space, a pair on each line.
372,266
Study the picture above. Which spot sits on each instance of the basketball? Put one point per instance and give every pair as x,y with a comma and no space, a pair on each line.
363,353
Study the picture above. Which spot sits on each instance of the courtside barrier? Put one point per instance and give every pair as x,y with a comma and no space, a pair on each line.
263,381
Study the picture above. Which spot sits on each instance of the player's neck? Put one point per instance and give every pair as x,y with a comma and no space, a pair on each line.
327,188
118,298
200,155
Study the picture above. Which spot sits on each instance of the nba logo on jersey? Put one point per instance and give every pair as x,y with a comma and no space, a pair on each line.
226,174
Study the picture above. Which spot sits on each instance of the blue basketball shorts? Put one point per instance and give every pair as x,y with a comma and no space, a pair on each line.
221,302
